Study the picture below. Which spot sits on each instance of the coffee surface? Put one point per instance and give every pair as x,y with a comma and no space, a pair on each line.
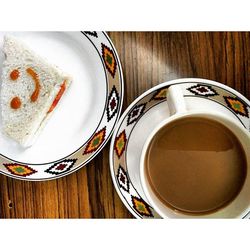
195,165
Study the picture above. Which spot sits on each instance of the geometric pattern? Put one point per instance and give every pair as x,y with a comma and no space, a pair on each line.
113,101
96,141
61,167
237,105
160,94
109,59
141,206
92,33
19,169
135,113
122,179
120,143
203,90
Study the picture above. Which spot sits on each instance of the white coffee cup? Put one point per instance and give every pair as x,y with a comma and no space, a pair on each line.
240,206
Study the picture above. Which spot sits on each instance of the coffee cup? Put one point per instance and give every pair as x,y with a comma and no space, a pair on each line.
195,189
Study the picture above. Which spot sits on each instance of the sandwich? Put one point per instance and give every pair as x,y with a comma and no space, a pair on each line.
31,89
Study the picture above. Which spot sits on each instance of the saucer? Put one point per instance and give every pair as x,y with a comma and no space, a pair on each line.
144,114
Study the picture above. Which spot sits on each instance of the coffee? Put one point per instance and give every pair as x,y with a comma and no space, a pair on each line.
195,165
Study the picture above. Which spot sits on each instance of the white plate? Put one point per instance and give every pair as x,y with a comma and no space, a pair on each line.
144,114
87,112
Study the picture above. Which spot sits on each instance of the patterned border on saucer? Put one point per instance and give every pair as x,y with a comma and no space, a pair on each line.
125,188
105,51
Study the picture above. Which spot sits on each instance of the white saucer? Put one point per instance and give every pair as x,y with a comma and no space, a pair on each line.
144,114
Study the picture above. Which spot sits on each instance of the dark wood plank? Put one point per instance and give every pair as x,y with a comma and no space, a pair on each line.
147,59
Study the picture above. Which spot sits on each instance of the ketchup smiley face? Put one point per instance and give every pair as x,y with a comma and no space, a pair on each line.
16,102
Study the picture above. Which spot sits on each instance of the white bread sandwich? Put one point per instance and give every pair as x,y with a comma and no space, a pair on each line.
31,89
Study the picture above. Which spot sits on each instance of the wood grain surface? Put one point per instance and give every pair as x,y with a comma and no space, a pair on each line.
147,59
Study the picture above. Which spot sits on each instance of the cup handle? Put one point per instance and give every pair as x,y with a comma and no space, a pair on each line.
175,100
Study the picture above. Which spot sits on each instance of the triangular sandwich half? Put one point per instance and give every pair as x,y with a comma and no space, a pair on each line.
31,88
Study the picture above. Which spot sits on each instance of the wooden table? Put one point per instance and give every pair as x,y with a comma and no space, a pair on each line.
147,59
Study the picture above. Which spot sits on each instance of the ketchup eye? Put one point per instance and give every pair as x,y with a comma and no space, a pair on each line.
15,103
14,74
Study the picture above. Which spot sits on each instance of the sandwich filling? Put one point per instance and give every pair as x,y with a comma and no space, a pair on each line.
58,97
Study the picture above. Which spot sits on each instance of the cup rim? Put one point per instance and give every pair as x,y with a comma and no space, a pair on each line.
175,117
